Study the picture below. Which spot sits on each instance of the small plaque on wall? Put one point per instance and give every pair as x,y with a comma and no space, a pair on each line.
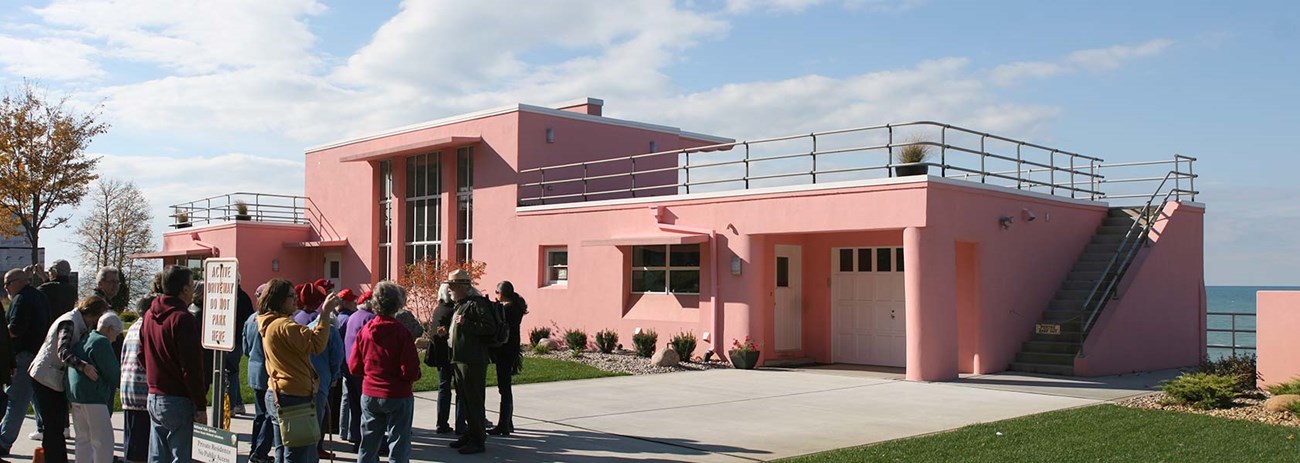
1047,328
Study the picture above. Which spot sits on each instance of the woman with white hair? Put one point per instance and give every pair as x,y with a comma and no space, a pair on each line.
92,400
384,357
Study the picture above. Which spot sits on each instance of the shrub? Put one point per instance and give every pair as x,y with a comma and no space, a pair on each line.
538,334
540,349
576,339
684,345
1289,387
645,342
606,341
129,316
1294,408
1240,367
1202,390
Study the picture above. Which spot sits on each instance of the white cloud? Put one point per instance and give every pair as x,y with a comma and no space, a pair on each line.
193,36
1094,60
1106,59
48,58
795,6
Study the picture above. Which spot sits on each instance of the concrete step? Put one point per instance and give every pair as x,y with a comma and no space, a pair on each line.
1051,347
1113,229
1106,248
1065,304
1084,275
1060,370
1065,336
1096,256
1070,320
1116,221
1077,285
1046,358
1074,293
1107,239
1091,265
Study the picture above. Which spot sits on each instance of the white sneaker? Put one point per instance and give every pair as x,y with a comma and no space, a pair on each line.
36,435
237,410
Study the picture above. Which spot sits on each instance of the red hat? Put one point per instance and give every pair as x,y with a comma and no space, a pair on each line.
324,284
347,295
310,297
365,297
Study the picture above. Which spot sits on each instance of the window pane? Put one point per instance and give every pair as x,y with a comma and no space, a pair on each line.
648,281
685,256
465,217
782,272
864,259
410,221
649,256
882,260
334,269
465,169
684,281
898,259
383,262
846,260
558,258
410,254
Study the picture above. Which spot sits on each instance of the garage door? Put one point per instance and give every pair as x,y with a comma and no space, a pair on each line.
868,311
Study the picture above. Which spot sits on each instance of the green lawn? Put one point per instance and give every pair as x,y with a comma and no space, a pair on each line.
1097,433
536,370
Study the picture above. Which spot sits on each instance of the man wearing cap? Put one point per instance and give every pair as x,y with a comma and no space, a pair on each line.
471,326
356,321
310,298
29,320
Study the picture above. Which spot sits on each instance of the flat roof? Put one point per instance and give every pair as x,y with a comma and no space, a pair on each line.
520,107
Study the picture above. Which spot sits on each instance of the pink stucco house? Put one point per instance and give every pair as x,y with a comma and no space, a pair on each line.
1008,254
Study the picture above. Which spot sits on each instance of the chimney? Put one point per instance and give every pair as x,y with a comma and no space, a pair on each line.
588,106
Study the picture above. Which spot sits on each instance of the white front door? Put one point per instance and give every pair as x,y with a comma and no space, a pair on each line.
788,316
334,269
868,307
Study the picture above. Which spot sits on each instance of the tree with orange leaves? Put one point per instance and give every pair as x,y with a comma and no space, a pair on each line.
422,279
43,160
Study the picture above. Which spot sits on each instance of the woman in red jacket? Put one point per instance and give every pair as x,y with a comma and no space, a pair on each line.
384,357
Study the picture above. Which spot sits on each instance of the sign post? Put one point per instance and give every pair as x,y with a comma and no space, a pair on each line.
220,289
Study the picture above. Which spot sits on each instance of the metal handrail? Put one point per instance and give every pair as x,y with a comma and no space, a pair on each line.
1080,176
262,207
1133,239
1233,330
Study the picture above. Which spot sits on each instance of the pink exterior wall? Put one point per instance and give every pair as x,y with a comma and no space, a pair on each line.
1160,312
1277,319
256,245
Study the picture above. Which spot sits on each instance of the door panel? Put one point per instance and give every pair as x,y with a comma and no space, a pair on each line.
788,313
868,307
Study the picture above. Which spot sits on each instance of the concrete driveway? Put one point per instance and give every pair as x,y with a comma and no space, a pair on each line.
737,415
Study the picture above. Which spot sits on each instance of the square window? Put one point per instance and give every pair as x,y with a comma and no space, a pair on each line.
649,256
684,281
846,260
649,281
557,266
882,260
864,259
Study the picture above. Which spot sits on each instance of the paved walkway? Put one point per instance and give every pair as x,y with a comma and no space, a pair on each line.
736,415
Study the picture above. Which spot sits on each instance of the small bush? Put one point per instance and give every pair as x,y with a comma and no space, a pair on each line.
1289,387
129,316
538,334
1202,390
1294,408
540,349
1240,367
606,341
576,339
684,345
645,342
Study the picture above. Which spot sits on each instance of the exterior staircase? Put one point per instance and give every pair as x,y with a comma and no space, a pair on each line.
1054,353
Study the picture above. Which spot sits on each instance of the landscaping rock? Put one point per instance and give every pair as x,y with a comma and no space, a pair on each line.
1278,403
548,344
665,358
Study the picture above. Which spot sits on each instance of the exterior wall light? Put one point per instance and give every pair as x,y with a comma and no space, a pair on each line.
275,265
550,135
1005,222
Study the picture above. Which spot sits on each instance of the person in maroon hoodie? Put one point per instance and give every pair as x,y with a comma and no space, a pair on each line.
173,359
384,357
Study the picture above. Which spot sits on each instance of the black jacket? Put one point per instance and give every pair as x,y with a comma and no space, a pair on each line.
29,320
61,296
439,353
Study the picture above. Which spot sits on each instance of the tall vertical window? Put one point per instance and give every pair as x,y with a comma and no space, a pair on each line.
423,208
666,269
385,218
465,203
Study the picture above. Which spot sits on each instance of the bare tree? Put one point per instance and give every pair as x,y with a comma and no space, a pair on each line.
43,161
116,226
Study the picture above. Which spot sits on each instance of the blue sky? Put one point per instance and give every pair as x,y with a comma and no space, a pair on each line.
212,97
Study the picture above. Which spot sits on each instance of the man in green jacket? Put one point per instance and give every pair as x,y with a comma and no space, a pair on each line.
472,326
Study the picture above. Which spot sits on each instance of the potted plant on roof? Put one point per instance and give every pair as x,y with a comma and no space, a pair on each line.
744,355
911,154
182,219
241,211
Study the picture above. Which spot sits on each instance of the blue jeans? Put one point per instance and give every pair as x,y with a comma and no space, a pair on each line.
173,428
262,440
345,410
304,454
232,380
20,396
386,415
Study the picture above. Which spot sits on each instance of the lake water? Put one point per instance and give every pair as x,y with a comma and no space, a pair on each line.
1232,300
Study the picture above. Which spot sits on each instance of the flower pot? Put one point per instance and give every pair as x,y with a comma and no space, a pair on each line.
183,225
744,360
905,171
243,217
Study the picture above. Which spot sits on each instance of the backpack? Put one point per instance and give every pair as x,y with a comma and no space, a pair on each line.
502,334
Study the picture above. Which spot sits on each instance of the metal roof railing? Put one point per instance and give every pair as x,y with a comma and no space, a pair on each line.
241,206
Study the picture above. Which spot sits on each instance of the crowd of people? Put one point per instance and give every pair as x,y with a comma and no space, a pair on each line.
315,356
